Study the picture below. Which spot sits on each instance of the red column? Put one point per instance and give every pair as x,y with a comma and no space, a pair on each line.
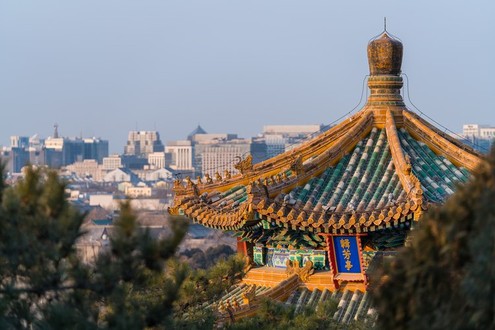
242,247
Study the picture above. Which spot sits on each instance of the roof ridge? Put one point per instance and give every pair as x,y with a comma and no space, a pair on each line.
454,151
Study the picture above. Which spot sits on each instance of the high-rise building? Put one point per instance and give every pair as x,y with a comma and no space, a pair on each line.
142,143
208,153
95,148
55,151
19,142
16,158
17,155
216,152
63,151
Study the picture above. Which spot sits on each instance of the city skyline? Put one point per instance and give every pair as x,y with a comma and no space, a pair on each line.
229,66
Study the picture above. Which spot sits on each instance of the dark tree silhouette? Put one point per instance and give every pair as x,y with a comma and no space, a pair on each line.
446,278
43,282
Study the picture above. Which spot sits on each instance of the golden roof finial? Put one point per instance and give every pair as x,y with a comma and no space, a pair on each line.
385,54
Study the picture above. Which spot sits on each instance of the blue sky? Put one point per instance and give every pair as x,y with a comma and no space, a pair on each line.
102,68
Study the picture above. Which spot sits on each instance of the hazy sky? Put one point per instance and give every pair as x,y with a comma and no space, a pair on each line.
104,67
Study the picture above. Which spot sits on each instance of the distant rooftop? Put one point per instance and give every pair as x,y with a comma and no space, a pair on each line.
280,129
197,130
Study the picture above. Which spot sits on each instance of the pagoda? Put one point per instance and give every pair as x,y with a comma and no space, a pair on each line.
329,207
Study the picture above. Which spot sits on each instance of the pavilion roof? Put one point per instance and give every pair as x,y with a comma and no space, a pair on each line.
378,169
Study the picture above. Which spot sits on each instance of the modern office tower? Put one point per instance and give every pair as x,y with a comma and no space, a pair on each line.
17,155
95,148
63,151
35,148
216,152
208,153
15,159
142,143
55,151
19,142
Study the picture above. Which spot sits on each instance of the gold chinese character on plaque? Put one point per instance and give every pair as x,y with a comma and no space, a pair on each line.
345,243
347,254
348,265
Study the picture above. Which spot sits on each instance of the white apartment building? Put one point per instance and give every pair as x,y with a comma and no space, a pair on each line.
219,155
156,160
478,131
135,192
480,137
112,162
87,168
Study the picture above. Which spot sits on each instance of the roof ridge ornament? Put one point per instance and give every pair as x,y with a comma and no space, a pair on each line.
385,54
244,165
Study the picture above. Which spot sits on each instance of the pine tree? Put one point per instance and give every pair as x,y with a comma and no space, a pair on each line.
43,282
446,278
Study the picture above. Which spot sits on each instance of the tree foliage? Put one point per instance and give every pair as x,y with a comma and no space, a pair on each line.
199,259
202,287
44,283
446,278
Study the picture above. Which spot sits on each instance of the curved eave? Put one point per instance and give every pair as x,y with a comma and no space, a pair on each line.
344,223
286,216
209,216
